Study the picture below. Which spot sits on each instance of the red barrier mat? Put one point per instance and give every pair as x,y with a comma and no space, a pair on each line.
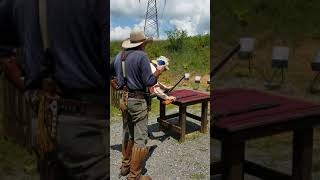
185,95
239,100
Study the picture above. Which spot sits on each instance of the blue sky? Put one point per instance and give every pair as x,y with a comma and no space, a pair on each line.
192,16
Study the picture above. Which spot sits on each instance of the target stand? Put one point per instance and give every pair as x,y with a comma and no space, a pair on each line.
280,56
315,66
246,52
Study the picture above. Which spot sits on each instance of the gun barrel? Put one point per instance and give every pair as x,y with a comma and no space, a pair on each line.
176,84
225,60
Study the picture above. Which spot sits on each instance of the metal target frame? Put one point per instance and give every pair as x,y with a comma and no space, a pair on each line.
280,58
315,66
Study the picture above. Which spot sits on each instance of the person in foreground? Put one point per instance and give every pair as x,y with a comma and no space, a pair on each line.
134,77
64,71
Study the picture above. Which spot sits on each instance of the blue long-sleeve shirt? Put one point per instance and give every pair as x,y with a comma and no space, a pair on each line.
137,69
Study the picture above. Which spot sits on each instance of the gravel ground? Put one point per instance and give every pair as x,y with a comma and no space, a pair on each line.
169,159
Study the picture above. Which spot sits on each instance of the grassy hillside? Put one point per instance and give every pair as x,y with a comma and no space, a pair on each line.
292,23
285,19
193,57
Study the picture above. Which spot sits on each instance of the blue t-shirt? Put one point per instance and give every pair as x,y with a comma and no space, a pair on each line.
137,69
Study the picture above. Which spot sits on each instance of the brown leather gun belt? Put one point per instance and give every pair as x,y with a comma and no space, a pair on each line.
81,108
137,95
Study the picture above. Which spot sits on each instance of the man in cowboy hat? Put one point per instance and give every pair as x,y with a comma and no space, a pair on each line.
160,88
132,70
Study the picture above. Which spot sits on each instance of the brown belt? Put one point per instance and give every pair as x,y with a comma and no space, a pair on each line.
137,95
80,108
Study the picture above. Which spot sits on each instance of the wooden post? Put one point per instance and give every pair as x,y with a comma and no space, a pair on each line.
204,117
162,110
162,114
302,154
232,157
182,120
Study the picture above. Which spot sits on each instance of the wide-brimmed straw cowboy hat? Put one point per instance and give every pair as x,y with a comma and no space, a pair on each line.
162,60
137,38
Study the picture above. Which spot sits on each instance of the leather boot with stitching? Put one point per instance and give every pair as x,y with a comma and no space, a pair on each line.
137,160
126,157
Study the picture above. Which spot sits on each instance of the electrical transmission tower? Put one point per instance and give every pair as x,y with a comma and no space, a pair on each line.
151,25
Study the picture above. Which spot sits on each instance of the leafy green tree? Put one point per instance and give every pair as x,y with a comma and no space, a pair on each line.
176,39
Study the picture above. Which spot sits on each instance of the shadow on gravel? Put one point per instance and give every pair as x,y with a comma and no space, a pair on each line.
116,147
191,126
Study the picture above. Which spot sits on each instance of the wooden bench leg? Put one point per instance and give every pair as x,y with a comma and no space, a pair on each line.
204,117
182,121
162,114
302,154
232,157
162,109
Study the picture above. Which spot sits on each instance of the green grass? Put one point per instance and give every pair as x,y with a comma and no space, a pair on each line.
196,176
193,58
193,135
285,19
15,160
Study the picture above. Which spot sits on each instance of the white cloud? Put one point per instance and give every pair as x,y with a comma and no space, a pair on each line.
121,33
184,24
190,15
129,8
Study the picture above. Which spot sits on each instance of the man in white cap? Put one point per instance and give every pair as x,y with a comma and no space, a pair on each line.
160,88
132,70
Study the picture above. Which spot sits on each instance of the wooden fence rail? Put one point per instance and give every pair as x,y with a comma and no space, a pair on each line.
16,114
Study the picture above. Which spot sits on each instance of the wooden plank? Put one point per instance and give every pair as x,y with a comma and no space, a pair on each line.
302,154
204,117
266,130
168,125
194,116
182,120
265,121
162,110
192,102
264,172
232,156
170,116
162,113
16,114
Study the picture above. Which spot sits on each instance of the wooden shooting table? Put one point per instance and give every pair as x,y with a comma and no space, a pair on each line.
240,120
184,99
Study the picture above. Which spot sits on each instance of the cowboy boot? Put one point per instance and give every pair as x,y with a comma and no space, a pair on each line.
126,157
137,159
